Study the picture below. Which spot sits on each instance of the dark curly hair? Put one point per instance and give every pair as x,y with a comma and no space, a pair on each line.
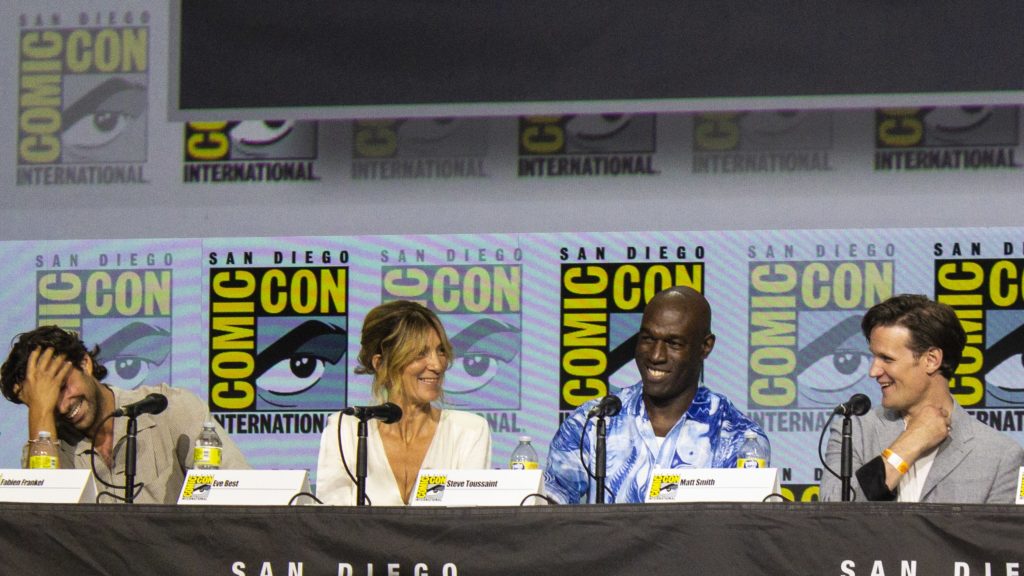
931,325
63,342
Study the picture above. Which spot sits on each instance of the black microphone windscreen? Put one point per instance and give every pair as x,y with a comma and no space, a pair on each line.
609,406
152,404
389,412
394,413
860,404
857,405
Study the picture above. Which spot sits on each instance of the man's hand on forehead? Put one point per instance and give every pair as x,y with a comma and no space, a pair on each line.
44,376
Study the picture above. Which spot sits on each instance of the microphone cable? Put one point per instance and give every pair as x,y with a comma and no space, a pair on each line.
821,437
538,495
341,451
586,467
292,501
136,488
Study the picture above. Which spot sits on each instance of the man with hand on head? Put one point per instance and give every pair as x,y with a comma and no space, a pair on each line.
920,445
51,371
667,421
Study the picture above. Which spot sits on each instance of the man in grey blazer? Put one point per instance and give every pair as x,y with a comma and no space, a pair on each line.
920,445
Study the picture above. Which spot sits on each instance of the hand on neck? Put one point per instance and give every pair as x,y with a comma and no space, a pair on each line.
938,396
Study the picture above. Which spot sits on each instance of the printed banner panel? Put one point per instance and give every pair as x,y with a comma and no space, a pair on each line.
854,539
138,302
267,329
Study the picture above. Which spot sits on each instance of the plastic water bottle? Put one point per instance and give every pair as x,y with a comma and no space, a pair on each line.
753,452
208,448
524,457
43,452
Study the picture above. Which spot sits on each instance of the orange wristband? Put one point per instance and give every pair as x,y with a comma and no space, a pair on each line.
894,459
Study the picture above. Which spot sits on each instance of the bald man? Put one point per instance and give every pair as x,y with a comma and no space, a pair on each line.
670,421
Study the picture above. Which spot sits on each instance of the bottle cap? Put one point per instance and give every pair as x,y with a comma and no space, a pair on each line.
43,434
525,439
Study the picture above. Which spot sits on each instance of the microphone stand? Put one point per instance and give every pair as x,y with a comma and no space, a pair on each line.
129,463
599,460
846,451
361,463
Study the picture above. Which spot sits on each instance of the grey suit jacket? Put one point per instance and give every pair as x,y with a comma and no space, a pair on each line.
975,464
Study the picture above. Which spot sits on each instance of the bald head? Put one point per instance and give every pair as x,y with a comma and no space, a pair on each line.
688,302
674,339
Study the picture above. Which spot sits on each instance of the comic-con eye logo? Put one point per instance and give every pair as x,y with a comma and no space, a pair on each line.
126,313
587,145
277,338
664,487
988,297
250,151
604,133
419,148
936,127
134,353
971,137
83,96
197,488
249,140
601,307
419,138
749,142
481,309
431,488
806,348
776,130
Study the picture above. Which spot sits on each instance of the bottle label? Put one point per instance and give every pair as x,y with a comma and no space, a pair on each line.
751,463
207,457
43,461
523,465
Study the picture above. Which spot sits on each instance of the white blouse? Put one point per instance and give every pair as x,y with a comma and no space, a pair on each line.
462,441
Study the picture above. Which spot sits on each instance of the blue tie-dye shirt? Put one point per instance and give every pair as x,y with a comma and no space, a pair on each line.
709,435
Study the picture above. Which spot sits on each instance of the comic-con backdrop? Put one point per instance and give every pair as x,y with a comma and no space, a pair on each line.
266,328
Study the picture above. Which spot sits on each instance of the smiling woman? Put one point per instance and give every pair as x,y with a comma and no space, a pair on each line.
405,348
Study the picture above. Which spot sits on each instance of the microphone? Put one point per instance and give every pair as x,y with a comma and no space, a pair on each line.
152,404
857,405
607,407
389,412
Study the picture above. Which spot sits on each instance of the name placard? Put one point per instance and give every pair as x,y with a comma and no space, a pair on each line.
477,488
245,487
713,485
1020,485
47,486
